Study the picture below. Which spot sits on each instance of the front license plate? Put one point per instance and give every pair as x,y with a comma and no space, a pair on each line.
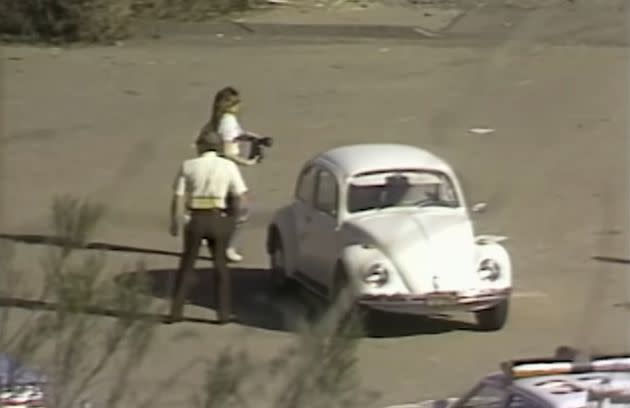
441,300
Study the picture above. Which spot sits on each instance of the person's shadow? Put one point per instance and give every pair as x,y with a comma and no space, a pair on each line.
256,305
253,302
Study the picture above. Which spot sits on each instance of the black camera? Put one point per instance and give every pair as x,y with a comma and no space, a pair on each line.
257,146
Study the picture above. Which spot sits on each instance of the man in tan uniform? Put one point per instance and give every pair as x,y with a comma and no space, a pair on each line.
204,183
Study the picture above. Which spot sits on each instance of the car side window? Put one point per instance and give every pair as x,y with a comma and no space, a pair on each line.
486,397
306,185
326,198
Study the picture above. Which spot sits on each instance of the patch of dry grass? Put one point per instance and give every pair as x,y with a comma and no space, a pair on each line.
98,21
65,20
90,335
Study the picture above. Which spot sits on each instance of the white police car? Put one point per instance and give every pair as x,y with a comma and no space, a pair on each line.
558,382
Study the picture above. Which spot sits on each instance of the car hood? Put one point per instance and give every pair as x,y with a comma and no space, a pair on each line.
432,249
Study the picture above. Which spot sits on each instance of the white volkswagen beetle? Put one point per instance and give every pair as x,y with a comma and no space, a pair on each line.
391,220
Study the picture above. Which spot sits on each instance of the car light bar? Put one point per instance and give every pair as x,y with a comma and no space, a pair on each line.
551,366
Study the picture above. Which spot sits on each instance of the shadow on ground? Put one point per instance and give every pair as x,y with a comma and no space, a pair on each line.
253,303
37,239
256,306
611,259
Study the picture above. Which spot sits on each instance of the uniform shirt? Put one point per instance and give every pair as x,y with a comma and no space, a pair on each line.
209,176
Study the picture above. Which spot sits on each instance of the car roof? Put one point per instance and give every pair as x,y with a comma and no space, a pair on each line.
359,158
543,387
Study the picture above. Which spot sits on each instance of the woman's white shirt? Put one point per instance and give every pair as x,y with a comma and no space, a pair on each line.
229,128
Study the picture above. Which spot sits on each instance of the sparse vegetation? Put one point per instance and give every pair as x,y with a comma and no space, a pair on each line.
65,20
97,21
65,330
90,335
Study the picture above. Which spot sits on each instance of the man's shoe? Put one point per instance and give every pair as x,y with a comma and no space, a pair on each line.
233,256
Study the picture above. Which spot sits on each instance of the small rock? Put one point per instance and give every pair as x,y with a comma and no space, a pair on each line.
220,35
481,131
424,32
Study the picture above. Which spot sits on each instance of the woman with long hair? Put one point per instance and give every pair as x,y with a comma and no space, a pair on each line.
224,121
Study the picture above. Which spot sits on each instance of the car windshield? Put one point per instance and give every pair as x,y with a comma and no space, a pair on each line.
421,188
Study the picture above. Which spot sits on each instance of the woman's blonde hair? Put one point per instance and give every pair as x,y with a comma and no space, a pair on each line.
224,100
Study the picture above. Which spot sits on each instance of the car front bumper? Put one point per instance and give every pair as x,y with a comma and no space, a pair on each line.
436,302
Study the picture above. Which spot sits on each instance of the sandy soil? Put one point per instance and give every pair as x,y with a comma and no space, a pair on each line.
113,124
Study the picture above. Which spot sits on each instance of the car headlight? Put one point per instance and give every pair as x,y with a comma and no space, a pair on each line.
489,270
376,275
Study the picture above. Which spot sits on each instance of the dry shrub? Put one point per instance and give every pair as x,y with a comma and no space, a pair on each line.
65,20
91,336
82,326
99,20
194,10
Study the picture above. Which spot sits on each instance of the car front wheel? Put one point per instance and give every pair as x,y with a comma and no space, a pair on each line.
494,318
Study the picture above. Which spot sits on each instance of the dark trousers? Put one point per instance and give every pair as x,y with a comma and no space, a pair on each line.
217,228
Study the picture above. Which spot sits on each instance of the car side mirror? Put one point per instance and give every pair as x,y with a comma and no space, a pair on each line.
479,208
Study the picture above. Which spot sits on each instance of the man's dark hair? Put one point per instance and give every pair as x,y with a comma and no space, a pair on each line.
208,140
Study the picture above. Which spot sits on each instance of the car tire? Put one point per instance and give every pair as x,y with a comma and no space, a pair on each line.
277,266
493,319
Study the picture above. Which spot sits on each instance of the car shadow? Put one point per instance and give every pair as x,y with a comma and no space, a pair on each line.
255,305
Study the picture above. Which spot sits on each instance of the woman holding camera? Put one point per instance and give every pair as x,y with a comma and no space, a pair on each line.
224,121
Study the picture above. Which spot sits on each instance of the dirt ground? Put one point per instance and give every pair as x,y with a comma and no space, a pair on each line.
114,122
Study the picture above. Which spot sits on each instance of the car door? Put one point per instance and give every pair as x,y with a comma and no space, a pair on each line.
321,236
302,210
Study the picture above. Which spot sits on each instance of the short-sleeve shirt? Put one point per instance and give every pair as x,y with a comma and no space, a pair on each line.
209,176
229,128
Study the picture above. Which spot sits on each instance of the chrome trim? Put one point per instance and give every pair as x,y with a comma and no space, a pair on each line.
480,297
